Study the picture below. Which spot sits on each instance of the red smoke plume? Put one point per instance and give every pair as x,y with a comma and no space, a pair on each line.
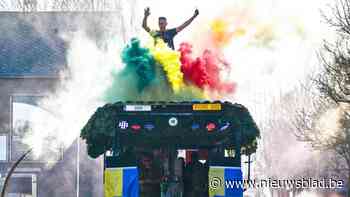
204,71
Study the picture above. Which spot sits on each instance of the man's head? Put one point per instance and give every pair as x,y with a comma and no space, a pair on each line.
162,22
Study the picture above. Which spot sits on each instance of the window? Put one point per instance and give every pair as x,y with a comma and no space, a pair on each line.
22,185
3,148
30,125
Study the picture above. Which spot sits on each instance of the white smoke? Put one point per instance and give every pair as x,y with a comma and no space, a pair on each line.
90,60
78,96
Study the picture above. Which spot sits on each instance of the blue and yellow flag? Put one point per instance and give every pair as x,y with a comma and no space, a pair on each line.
225,181
121,182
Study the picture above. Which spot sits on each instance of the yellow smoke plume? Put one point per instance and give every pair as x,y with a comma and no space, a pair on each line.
222,33
170,61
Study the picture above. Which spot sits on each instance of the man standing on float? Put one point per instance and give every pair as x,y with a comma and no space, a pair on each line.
167,35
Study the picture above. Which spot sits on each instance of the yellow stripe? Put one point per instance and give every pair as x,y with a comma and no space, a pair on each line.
113,185
216,182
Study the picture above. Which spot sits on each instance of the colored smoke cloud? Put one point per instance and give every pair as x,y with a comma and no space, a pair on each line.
138,60
176,73
203,71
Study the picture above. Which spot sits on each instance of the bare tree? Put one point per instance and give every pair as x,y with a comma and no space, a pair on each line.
333,86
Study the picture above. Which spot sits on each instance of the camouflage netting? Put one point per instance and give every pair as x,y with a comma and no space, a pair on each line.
250,130
100,130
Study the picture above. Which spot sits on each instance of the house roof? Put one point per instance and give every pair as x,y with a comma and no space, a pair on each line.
25,51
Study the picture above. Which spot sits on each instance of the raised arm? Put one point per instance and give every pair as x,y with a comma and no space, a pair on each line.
189,21
144,21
